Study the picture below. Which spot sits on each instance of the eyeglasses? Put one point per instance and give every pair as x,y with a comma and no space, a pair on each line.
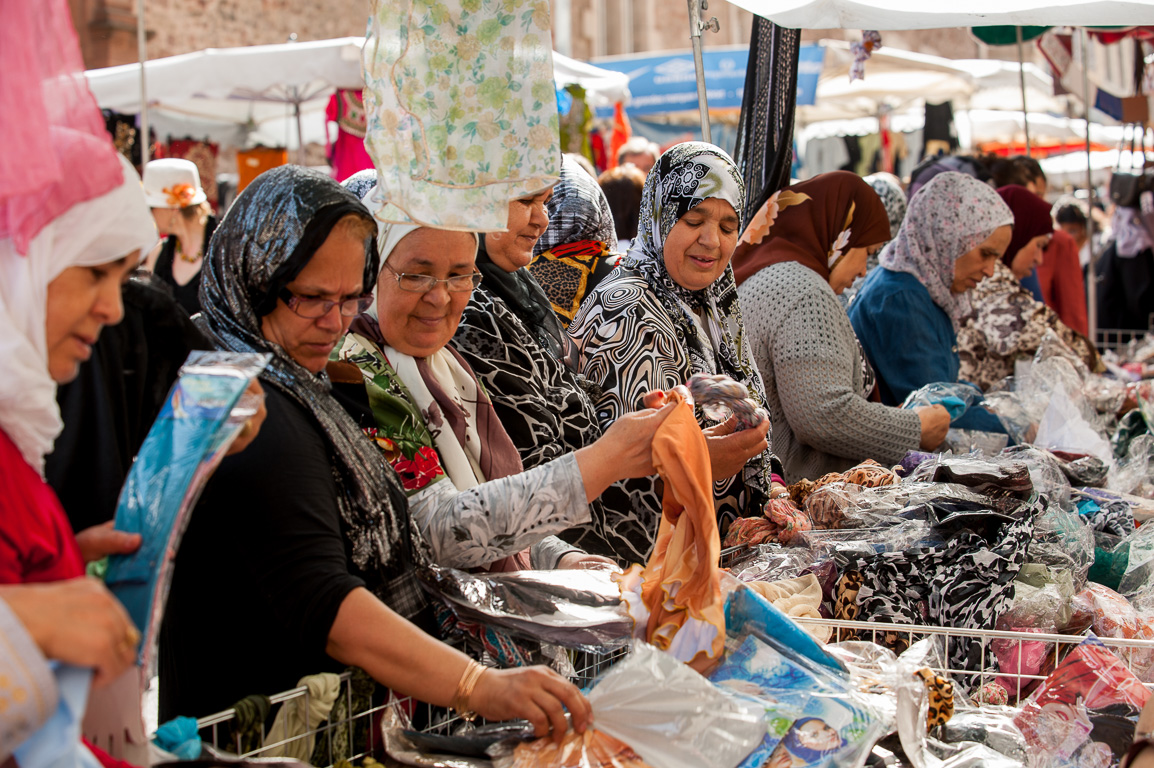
312,308
425,283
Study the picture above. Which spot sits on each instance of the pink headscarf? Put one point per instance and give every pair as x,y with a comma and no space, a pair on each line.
45,98
947,218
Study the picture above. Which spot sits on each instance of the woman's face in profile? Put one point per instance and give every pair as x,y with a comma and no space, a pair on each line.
977,264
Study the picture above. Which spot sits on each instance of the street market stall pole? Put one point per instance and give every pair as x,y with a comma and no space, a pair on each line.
696,27
1022,83
1092,277
142,55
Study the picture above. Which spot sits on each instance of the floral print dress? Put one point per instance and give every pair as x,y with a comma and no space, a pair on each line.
465,528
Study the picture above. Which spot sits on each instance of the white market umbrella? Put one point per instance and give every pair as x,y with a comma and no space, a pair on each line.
273,94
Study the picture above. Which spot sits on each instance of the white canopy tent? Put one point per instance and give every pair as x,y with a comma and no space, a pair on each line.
918,14
895,80
253,94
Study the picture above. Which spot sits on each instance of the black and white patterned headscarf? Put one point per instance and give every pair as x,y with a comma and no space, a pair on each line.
685,176
269,235
577,211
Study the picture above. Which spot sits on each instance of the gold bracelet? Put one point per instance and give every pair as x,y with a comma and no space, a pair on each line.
465,687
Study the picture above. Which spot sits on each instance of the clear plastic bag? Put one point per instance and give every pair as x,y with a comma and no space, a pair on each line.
1057,718
771,562
1062,540
955,397
975,441
663,711
579,609
991,726
988,477
1132,471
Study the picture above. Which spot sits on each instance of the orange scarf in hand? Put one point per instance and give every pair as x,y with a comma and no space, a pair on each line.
680,588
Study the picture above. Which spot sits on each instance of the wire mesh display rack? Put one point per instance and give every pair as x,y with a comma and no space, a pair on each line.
1137,655
217,729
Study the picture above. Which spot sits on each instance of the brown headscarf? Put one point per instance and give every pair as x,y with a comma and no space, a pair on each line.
814,222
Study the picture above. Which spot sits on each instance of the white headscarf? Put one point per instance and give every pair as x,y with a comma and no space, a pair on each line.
462,463
94,232
947,218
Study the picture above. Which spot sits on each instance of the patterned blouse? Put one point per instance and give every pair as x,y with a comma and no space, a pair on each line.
475,527
547,412
629,346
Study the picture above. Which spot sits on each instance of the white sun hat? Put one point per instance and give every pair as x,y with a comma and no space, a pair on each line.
172,183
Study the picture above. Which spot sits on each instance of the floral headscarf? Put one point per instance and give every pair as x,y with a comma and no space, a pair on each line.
685,176
814,222
947,218
893,197
271,232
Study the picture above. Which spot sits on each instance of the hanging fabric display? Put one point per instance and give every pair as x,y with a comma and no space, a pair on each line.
347,153
461,109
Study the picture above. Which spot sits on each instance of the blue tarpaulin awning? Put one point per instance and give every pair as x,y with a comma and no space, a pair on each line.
667,83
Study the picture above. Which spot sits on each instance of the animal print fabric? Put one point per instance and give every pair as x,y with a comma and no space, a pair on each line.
547,413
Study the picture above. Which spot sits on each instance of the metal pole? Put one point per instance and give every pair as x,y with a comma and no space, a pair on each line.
142,55
1022,83
695,29
300,133
1092,273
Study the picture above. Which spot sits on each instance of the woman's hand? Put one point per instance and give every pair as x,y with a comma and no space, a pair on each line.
935,424
77,622
536,694
251,427
103,540
729,450
624,451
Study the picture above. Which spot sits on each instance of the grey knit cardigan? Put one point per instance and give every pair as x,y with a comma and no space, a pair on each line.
811,365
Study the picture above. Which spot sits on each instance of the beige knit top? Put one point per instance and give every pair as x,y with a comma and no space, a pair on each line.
811,365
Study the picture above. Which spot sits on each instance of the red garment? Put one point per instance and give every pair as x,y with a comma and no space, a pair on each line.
1063,287
36,540
347,155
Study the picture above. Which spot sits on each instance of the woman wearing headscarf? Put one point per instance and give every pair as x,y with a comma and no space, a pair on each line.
1008,323
574,253
512,339
671,310
422,404
889,190
303,543
910,309
55,299
803,248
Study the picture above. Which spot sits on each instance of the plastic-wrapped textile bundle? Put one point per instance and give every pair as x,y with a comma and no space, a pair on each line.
963,579
1073,717
986,477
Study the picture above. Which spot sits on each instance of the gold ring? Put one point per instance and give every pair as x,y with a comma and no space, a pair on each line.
130,641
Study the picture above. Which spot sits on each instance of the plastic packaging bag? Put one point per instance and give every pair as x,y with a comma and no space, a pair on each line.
202,416
1062,540
771,562
747,612
1111,615
574,608
1056,720
813,715
665,712
990,726
955,397
991,478
465,750
592,749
